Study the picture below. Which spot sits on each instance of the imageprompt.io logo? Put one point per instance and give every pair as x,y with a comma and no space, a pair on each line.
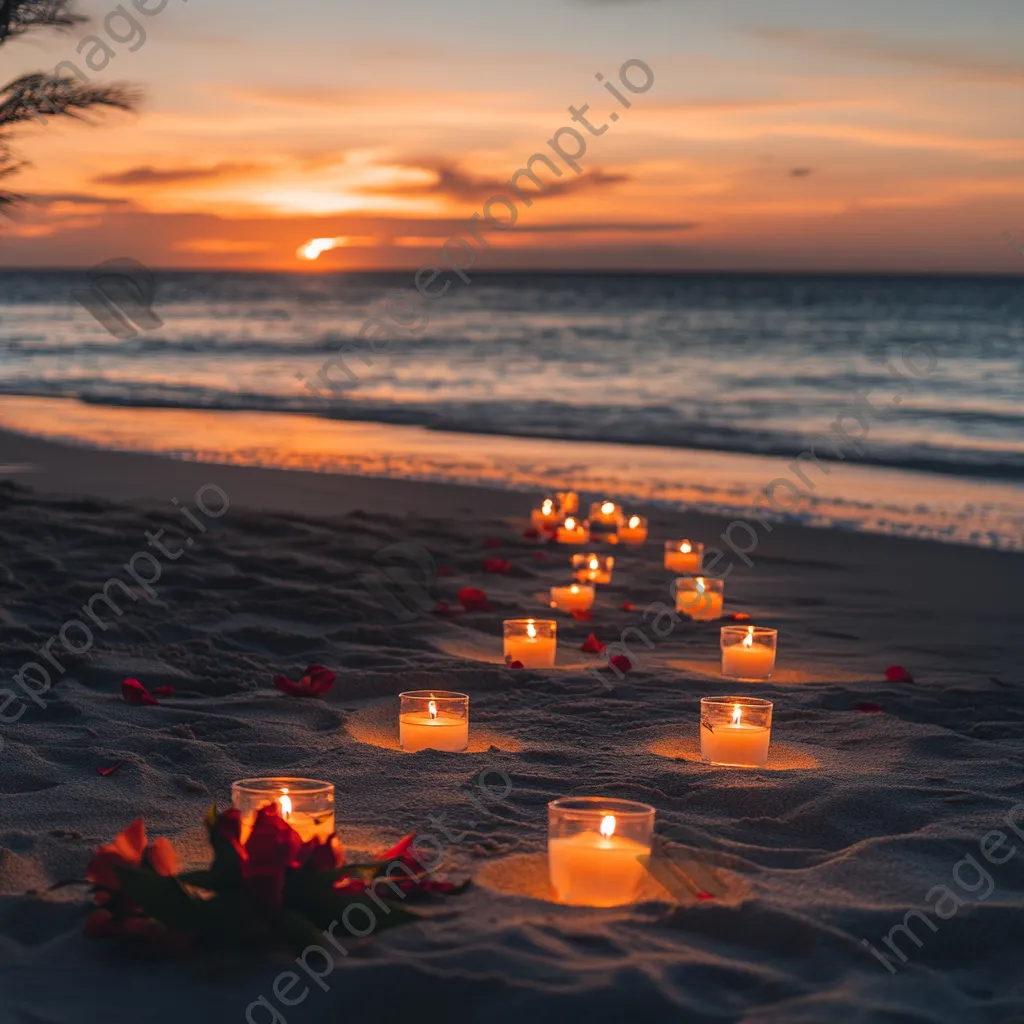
405,582
121,297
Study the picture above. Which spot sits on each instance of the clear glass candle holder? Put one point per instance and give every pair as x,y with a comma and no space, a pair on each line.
306,804
593,568
683,556
573,597
531,642
748,652
735,731
606,514
568,502
547,517
573,531
433,720
699,598
598,849
633,530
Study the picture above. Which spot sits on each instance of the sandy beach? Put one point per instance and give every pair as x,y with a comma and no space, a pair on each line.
875,792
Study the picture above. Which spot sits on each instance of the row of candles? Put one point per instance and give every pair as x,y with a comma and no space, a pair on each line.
598,847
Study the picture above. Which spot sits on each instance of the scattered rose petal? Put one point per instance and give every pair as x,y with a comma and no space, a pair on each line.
583,615
898,674
593,646
474,600
442,608
135,693
628,606
530,533
315,682
163,691
868,707
705,896
497,565
492,542
738,617
515,664
108,769
621,662
443,570
540,556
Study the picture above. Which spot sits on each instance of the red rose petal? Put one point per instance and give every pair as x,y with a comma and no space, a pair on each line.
163,691
738,617
474,600
583,615
868,707
135,693
108,769
898,674
628,606
497,565
315,682
515,664
593,646
621,662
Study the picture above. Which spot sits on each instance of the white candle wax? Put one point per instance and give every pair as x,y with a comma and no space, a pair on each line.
577,597
754,661
736,745
592,870
545,517
631,533
577,533
418,730
531,651
699,605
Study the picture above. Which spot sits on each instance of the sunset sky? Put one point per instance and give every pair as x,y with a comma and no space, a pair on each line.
779,134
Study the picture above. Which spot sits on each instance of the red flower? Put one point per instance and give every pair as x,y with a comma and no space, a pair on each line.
164,691
492,542
621,662
738,617
315,682
497,565
628,606
867,706
530,533
272,848
583,615
593,646
515,664
108,769
443,570
540,556
129,850
474,600
135,693
898,674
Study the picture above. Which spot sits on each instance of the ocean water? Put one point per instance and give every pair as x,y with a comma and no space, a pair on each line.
751,365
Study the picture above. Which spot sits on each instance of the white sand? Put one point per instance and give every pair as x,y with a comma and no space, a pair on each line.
856,818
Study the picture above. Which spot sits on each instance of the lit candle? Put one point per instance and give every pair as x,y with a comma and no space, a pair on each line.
531,642
634,530
598,850
577,597
546,517
735,731
572,531
605,513
748,652
568,502
593,568
682,556
433,720
700,599
306,804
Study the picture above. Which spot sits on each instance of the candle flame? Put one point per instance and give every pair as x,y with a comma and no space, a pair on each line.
432,708
574,589
570,523
285,803
634,522
531,630
748,640
685,547
608,826
737,714
608,508
594,563
547,506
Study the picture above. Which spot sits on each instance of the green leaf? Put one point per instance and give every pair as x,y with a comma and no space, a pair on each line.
159,896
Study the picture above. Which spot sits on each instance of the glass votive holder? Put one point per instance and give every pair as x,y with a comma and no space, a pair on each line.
593,568
748,652
735,731
633,530
682,556
572,531
573,597
531,642
547,517
606,514
699,598
598,849
433,720
306,804
568,502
